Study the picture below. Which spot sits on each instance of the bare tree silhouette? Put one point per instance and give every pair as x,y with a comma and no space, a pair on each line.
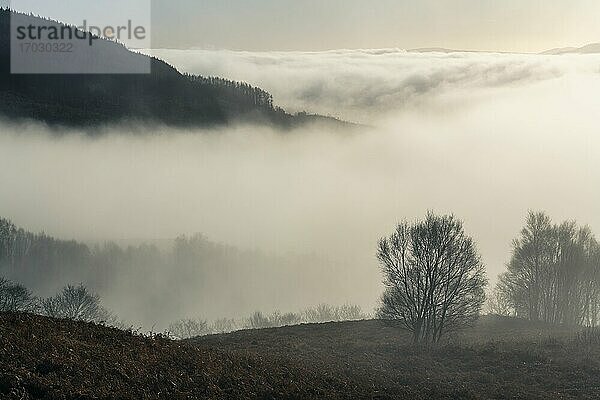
76,303
15,297
434,277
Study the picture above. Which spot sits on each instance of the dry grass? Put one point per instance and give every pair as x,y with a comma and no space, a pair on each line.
43,358
501,358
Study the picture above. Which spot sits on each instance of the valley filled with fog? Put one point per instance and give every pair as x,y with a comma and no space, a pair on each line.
484,136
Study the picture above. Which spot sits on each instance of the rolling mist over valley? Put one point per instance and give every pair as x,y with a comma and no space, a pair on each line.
281,200
320,192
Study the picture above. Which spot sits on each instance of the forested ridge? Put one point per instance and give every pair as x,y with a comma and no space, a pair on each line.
165,95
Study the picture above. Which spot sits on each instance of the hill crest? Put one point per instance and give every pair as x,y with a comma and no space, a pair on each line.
163,96
44,358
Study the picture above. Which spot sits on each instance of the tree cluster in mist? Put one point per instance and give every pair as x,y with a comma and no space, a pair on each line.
553,275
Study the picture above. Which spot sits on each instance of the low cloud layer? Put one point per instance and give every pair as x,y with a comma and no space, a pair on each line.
486,137
366,85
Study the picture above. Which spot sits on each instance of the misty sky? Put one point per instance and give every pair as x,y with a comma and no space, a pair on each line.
485,136
313,25
507,25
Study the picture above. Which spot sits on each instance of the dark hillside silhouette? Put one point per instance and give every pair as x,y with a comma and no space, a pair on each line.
165,95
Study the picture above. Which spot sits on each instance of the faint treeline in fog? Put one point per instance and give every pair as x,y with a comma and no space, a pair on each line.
146,285
188,328
78,303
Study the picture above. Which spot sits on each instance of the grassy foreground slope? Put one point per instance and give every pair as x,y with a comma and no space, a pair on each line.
42,358
500,358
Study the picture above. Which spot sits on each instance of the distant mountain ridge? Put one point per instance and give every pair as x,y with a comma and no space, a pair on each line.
163,96
587,49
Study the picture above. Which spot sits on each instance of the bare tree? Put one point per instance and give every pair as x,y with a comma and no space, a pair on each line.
328,313
277,319
349,312
76,303
258,320
15,297
434,277
223,325
498,303
189,328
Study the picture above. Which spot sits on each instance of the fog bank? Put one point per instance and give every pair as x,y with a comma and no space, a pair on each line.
369,85
486,137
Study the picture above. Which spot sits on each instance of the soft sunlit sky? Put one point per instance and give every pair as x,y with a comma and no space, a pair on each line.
495,25
501,25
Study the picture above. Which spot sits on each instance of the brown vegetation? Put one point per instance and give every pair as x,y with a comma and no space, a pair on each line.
44,358
501,358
